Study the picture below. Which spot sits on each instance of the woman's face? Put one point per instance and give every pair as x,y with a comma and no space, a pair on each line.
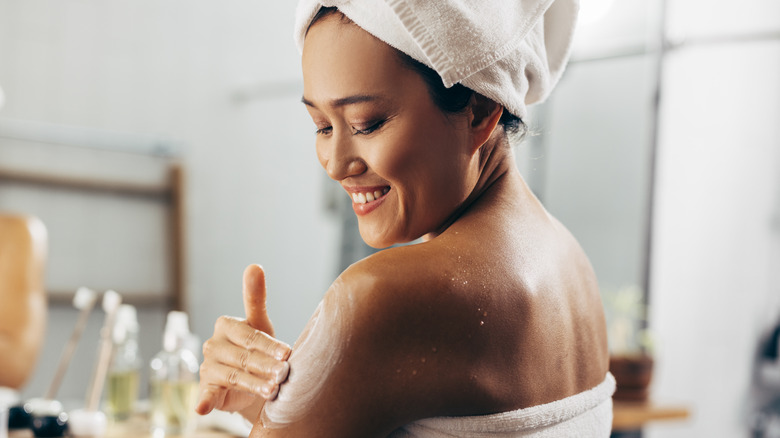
405,164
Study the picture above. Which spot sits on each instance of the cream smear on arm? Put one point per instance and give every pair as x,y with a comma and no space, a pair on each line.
314,358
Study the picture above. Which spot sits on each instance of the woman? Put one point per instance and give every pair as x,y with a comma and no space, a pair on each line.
492,325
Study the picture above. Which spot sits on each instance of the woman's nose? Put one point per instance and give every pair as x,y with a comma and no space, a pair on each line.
341,160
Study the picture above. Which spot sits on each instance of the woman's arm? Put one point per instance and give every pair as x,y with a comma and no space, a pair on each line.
383,349
23,310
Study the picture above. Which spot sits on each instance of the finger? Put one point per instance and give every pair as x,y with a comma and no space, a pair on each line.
242,335
255,299
234,379
255,362
211,397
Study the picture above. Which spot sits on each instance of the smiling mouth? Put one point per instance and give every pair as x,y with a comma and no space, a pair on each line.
369,196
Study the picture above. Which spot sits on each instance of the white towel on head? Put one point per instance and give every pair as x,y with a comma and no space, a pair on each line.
512,51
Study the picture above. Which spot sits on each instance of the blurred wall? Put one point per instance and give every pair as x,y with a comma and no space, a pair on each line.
222,81
716,264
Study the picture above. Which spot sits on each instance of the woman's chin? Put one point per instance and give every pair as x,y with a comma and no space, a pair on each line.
374,239
377,244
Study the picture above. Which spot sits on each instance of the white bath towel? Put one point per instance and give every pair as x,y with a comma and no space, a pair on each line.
512,51
584,415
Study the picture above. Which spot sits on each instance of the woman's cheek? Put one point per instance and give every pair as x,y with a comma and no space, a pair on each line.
320,149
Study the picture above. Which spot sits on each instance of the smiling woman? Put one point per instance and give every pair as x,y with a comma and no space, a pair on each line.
379,130
493,324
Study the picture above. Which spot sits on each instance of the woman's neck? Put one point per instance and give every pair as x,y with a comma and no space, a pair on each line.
496,166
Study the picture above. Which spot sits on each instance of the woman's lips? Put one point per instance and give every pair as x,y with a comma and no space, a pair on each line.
366,199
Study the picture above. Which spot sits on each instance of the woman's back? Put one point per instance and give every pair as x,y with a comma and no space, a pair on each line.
524,293
541,318
499,312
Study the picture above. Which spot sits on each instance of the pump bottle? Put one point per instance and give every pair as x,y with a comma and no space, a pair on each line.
173,380
125,369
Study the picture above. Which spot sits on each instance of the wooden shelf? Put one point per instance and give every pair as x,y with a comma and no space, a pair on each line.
633,415
170,192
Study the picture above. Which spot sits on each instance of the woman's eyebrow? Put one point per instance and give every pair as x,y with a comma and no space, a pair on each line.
343,101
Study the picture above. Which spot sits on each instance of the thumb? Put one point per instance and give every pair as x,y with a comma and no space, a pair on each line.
254,299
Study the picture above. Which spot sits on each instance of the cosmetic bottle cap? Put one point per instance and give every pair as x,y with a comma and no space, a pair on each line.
126,322
84,297
43,407
87,423
176,330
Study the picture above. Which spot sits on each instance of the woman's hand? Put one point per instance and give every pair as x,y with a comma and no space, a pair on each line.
243,365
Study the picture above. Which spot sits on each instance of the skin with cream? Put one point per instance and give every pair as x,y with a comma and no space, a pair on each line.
325,338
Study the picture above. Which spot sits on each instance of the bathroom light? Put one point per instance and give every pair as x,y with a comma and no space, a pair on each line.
594,10
2,98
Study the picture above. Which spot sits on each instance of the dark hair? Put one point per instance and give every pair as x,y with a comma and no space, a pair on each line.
450,100
456,98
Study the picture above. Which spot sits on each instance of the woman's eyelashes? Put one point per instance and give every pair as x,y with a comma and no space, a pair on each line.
356,130
373,126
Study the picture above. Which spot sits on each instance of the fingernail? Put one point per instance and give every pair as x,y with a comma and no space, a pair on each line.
205,402
280,372
269,390
282,352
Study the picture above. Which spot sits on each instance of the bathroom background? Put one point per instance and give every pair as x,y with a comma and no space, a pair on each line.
660,150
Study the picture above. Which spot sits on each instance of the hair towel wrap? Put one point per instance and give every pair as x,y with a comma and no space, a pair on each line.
512,51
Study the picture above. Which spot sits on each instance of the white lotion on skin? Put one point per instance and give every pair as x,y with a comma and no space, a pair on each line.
312,361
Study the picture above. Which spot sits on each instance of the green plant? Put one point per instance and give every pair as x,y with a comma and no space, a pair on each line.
626,314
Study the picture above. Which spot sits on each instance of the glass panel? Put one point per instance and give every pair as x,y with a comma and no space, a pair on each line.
594,142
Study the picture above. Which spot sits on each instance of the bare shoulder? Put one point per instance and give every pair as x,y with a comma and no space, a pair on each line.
387,345
456,326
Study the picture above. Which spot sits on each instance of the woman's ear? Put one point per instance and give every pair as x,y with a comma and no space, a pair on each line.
485,114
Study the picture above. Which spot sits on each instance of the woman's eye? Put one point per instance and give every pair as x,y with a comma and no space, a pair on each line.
373,127
325,130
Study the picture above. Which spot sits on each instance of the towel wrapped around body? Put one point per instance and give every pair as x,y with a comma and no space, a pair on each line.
584,415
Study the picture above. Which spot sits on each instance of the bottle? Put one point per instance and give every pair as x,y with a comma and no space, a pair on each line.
173,380
125,369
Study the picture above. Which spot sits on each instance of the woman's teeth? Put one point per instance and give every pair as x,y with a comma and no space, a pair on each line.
362,198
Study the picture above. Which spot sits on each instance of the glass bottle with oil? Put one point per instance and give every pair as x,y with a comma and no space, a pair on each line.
124,372
173,381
